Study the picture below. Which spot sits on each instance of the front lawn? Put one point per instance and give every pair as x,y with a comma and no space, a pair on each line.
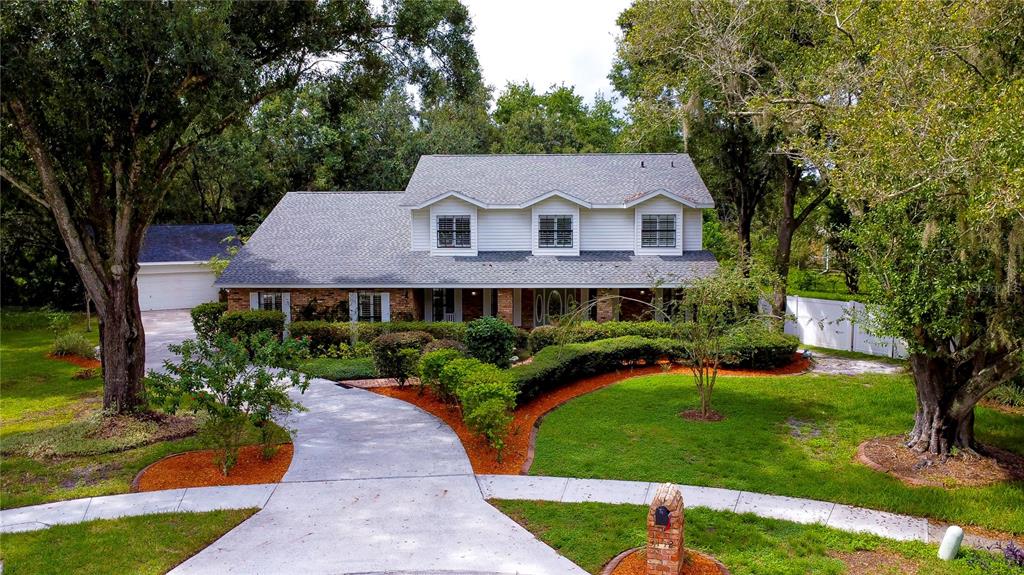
793,436
50,437
590,534
144,544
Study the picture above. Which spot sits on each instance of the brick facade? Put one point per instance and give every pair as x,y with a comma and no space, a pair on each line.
405,305
505,304
606,304
665,545
472,305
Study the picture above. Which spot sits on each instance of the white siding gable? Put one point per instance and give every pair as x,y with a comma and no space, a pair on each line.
606,230
555,206
693,229
659,206
453,207
504,230
420,230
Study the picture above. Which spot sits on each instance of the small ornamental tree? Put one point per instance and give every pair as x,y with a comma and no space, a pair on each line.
720,304
236,382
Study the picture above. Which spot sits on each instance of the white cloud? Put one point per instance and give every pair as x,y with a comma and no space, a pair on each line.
547,42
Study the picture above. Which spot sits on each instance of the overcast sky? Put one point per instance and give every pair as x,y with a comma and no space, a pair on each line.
547,42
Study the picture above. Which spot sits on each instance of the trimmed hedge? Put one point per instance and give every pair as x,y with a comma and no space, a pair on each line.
250,322
206,318
397,355
438,344
547,335
758,346
556,366
431,365
339,369
325,334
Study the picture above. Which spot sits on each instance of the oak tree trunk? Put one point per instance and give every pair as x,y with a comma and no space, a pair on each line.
123,348
944,419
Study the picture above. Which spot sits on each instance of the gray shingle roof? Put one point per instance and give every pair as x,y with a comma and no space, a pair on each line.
185,243
349,239
512,180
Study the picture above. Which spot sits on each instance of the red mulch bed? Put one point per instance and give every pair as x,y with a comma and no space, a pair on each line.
76,360
518,444
199,469
697,564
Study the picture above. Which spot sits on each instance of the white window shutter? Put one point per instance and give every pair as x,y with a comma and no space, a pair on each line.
385,307
428,304
254,300
353,306
286,307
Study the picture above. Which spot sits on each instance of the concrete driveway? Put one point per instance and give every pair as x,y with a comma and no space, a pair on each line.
162,328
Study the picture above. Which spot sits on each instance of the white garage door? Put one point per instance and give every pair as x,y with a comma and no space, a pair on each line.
175,287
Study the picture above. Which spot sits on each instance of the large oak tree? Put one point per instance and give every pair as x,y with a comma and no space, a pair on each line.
107,100
931,157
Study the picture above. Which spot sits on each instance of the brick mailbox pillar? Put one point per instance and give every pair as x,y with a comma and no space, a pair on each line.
665,552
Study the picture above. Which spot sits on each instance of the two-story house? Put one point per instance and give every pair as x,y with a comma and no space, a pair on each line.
521,237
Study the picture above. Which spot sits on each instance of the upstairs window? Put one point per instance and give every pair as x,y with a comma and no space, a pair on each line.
270,301
369,308
554,232
453,232
658,231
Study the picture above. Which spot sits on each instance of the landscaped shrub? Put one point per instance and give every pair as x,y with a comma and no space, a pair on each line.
445,344
324,334
491,340
546,335
340,369
251,322
73,343
206,318
431,365
758,346
487,397
555,366
452,377
397,354
543,336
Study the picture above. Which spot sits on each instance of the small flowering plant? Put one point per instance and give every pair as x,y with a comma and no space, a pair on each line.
236,382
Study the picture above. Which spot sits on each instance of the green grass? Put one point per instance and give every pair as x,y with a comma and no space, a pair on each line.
145,544
45,416
855,355
793,436
590,534
340,369
812,283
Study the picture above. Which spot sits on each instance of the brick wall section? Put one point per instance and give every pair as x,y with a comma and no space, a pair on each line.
605,305
472,305
404,303
505,304
634,310
526,310
665,550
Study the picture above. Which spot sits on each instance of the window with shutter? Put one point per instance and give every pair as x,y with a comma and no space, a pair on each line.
554,232
271,301
369,307
658,231
453,232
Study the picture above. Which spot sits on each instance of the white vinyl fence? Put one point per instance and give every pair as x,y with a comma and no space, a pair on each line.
832,324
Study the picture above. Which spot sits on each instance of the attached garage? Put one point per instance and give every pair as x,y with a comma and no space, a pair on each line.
173,268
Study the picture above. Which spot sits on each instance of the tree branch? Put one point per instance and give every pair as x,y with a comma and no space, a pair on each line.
25,189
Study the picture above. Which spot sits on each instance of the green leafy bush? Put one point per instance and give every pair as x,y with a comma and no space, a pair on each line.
445,344
453,375
236,382
340,369
546,335
1010,393
397,354
431,365
555,366
325,334
250,322
487,396
73,343
491,340
206,318
58,321
759,346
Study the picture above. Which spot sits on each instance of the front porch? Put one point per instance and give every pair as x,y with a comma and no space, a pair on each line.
522,307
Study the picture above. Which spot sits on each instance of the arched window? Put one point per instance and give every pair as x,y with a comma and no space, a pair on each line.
538,310
555,307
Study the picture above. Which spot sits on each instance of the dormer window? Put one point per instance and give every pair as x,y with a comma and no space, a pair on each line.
658,231
453,232
554,232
